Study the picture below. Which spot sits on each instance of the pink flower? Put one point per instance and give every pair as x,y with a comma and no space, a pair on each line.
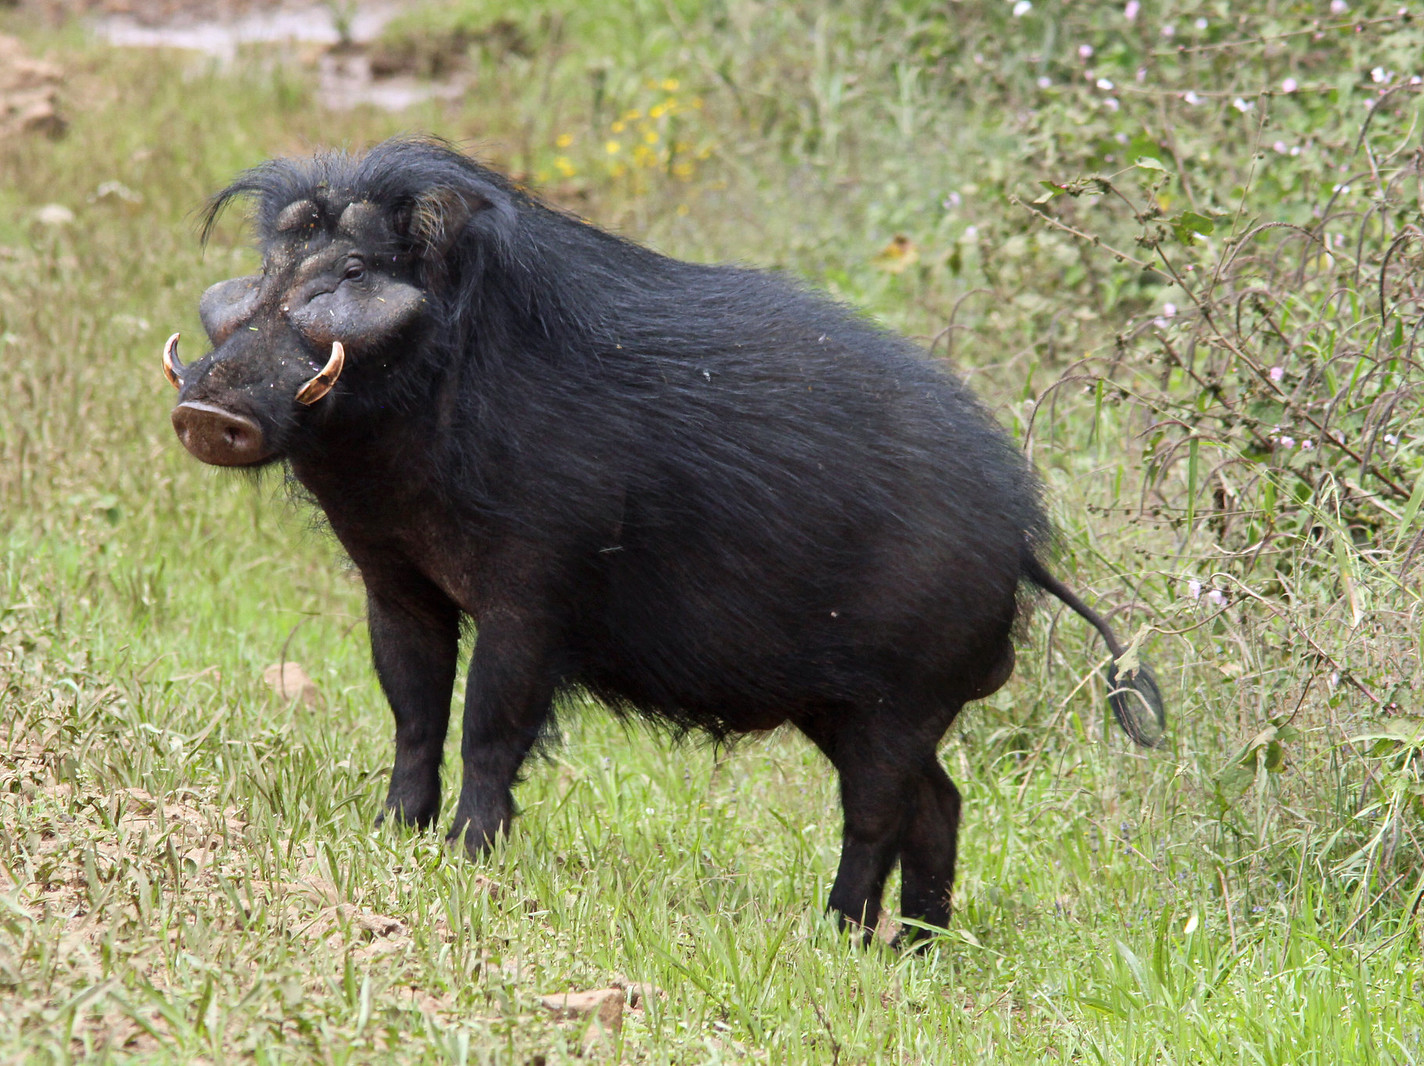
1277,372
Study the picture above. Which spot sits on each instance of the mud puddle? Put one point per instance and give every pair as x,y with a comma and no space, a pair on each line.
337,34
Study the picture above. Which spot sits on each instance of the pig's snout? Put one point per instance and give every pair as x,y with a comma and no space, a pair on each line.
219,437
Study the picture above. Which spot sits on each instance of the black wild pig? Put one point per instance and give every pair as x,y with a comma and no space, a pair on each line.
700,493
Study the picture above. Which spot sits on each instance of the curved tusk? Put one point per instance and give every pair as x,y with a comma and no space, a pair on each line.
320,385
172,367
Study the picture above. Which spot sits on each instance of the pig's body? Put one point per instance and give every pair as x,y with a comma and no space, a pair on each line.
701,493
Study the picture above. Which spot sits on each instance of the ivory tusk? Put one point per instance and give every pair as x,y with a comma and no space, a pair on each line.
172,367
320,385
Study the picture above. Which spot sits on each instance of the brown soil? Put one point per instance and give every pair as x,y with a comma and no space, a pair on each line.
147,12
29,93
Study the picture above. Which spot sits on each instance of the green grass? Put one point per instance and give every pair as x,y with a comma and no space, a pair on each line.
188,867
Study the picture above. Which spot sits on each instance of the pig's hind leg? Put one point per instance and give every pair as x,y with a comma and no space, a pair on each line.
928,852
879,768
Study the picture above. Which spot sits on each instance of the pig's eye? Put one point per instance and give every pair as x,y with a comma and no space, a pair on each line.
355,270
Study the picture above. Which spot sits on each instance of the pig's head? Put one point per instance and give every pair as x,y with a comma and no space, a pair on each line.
358,256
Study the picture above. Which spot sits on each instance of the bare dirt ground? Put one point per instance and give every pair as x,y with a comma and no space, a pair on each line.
338,42
150,12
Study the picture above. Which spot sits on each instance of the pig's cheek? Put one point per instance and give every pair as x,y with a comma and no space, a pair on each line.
359,318
320,321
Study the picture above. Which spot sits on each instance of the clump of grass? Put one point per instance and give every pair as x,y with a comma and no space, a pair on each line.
433,42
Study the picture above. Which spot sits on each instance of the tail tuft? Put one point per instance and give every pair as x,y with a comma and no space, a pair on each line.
1137,703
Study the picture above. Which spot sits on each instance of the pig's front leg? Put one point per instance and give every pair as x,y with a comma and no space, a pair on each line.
506,705
415,639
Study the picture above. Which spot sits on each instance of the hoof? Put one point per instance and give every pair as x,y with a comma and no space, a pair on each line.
397,814
469,840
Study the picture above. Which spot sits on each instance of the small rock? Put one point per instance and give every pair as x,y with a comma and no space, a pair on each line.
603,1004
369,921
114,191
290,681
54,215
29,93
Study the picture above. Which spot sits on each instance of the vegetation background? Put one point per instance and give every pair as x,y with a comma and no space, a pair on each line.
1176,245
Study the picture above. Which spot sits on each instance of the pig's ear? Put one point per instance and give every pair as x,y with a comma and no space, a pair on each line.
436,220
228,304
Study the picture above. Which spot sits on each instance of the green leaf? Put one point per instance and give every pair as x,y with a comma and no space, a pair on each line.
1188,225
1275,760
1232,781
1411,510
1265,751
1054,189
1407,729
1146,162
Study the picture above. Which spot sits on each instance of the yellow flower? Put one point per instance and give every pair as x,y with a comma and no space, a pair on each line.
618,127
650,137
564,166
563,140
682,170
897,256
670,85
612,147
683,209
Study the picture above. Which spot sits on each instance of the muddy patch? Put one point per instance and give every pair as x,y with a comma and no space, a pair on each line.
347,78
29,93
342,41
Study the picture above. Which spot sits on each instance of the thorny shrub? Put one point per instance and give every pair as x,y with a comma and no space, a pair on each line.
1270,368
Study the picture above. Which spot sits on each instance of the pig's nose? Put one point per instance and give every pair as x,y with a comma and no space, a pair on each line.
217,436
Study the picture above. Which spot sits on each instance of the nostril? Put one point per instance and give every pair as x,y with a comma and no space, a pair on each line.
219,436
